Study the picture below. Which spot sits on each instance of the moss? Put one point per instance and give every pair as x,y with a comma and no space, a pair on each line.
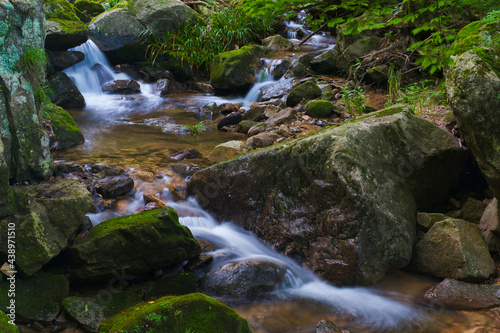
5,326
91,8
195,312
60,11
319,108
65,129
307,90
180,284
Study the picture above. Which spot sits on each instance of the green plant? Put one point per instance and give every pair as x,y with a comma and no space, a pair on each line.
353,100
42,94
421,94
194,130
33,64
393,84
108,4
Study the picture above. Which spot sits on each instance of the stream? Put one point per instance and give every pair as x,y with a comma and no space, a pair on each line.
139,133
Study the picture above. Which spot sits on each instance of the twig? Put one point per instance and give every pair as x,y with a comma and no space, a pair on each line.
314,33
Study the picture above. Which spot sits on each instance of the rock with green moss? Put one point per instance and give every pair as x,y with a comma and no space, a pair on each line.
116,33
454,249
63,27
471,211
49,214
278,43
473,86
343,200
65,129
38,298
235,70
319,108
135,244
306,91
7,325
162,16
189,313
87,9
325,63
89,312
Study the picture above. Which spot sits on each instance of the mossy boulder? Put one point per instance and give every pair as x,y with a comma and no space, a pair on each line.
179,284
162,16
454,249
116,33
471,211
278,43
87,9
319,108
63,27
235,70
38,298
48,215
135,243
5,324
89,312
194,312
65,129
342,201
325,63
472,86
306,91
65,93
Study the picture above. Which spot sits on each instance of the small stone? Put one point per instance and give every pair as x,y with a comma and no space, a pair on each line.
122,87
233,118
115,187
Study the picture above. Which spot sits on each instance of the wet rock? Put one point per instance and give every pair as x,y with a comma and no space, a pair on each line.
278,68
192,313
226,151
245,126
106,170
320,109
247,278
38,298
66,132
324,63
115,187
122,87
459,295
65,93
64,29
277,89
203,87
178,284
185,155
203,261
453,249
427,220
261,140
338,185
306,91
296,70
67,167
254,114
281,117
227,108
89,312
471,211
233,118
60,60
131,244
104,75
278,43
167,87
490,226
325,326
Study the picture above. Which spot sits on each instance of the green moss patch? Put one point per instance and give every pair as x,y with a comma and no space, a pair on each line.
65,129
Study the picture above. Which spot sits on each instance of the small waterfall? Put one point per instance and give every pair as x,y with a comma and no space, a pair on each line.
253,95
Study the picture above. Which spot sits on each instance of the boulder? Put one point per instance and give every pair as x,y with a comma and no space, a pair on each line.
103,73
427,220
277,43
167,87
86,10
278,68
471,211
235,70
254,114
116,33
244,279
115,187
306,91
281,117
324,63
162,16
227,108
453,249
277,89
226,151
261,140
89,312
194,312
63,27
459,295
66,94
179,284
490,226
132,244
245,125
256,129
329,199
319,109
60,60
299,66
65,130
233,118
472,86
38,298
50,213
122,87
6,325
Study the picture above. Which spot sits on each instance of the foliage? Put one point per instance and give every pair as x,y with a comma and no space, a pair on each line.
194,130
33,64
420,95
353,100
108,4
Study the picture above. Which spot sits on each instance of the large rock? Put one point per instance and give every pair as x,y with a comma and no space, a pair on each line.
116,32
319,108
306,91
472,86
135,244
122,87
60,60
50,213
66,94
66,131
490,226
162,16
342,201
325,63
63,28
227,150
278,43
25,143
453,249
464,296
38,298
194,312
277,89
235,70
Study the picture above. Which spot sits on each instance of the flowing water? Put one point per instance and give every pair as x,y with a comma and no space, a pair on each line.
141,131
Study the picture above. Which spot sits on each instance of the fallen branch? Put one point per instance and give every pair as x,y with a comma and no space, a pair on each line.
314,33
